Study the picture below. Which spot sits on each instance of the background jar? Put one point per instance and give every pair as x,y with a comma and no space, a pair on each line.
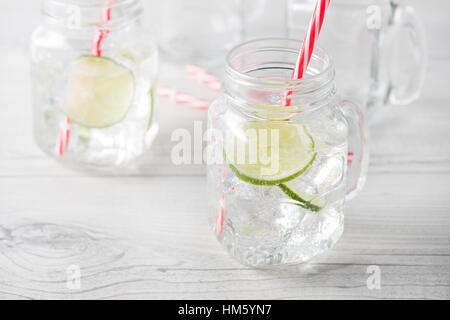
379,48
264,225
202,31
104,44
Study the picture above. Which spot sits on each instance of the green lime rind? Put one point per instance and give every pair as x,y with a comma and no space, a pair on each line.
268,182
90,126
308,205
152,108
313,143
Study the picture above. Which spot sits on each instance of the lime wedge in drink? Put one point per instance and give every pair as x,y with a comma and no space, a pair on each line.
306,201
268,153
99,92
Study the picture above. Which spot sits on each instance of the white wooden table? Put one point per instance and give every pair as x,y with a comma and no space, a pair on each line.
143,233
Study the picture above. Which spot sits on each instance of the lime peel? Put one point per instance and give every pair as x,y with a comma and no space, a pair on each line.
261,182
152,108
314,205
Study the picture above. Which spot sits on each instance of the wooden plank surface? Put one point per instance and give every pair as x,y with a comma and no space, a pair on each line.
143,232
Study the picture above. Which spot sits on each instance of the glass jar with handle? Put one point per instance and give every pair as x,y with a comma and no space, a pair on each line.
202,31
93,78
278,175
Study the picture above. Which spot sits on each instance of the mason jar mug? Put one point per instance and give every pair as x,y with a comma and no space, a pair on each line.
93,79
203,31
379,48
284,155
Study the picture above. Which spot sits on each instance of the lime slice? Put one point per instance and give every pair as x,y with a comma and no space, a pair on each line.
269,153
306,201
99,92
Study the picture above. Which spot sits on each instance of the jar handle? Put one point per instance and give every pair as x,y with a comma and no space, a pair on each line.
358,148
405,58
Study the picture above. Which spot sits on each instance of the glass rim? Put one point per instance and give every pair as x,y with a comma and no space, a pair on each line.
326,74
56,11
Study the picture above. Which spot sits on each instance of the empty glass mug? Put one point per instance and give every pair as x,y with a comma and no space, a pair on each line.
279,173
202,31
93,78
379,48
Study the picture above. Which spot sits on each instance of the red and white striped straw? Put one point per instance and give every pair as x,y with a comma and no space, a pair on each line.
315,26
311,38
96,44
204,77
182,97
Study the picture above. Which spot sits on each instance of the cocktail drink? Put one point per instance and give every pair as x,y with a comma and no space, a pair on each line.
278,174
93,80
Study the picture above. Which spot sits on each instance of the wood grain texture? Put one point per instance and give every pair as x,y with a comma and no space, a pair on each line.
142,233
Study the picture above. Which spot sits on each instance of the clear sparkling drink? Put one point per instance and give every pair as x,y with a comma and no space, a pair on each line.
93,79
278,176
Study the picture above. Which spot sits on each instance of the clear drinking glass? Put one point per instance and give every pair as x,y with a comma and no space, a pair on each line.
379,47
278,175
202,31
93,77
